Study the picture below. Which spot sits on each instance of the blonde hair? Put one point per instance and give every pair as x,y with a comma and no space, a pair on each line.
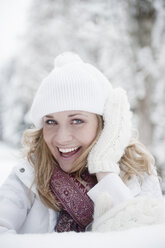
135,161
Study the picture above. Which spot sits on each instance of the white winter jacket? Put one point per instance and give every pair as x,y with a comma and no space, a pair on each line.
21,214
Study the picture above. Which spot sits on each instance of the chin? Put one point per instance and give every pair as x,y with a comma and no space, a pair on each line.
67,170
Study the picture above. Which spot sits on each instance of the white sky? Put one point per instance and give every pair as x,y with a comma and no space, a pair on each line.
12,23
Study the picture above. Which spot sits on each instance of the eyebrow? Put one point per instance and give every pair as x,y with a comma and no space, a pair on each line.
77,114
50,116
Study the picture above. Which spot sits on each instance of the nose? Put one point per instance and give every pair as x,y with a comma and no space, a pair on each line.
63,136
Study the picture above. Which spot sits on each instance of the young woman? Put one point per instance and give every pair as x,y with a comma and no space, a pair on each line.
83,170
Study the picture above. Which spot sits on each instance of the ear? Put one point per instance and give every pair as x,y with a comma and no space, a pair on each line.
102,204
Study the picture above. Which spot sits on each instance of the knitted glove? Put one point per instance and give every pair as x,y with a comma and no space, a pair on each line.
114,137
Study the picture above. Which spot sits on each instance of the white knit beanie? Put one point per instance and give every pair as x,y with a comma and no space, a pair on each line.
72,85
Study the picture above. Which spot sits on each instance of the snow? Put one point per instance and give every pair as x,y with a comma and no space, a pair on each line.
148,236
8,159
12,25
151,236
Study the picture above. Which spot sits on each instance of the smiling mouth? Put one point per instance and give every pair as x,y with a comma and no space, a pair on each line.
69,154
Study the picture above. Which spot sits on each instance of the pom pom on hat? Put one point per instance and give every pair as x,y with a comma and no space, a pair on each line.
71,85
66,58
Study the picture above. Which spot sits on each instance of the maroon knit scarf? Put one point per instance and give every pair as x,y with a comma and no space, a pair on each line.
76,207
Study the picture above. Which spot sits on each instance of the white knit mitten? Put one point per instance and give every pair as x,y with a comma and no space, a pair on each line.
114,137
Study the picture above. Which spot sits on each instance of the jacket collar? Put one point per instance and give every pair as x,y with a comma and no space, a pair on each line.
25,173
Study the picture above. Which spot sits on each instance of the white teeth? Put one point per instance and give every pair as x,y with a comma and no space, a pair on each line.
67,150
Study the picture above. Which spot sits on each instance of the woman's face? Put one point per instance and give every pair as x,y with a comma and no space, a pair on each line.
67,134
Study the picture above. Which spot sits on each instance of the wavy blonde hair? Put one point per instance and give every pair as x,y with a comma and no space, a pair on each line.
135,161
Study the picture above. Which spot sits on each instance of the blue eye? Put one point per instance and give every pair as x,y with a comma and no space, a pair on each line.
50,122
77,121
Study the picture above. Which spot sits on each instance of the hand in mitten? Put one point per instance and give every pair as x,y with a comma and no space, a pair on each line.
114,137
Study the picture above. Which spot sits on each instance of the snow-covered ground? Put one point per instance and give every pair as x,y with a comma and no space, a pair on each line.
143,237
150,236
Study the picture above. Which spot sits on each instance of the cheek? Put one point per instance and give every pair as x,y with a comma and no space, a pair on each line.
47,136
87,135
